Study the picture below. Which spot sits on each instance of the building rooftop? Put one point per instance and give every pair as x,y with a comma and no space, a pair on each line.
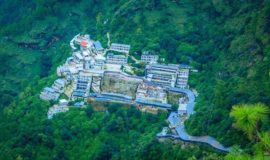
100,57
84,43
118,44
182,107
60,81
157,104
116,55
168,66
78,55
98,45
49,89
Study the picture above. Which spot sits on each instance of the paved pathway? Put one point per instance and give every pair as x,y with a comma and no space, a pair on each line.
175,121
134,59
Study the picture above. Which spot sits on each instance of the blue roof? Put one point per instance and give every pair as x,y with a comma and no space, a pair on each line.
79,104
98,45
116,95
162,105
78,93
106,98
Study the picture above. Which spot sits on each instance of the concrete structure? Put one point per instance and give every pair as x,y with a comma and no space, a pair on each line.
98,47
162,74
182,109
164,131
99,62
79,104
59,85
182,78
81,86
96,82
55,109
178,125
49,94
66,70
116,59
153,104
167,75
148,57
152,93
112,97
83,41
96,62
63,102
120,47
78,57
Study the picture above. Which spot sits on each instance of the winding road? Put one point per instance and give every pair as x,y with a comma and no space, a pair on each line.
174,119
175,122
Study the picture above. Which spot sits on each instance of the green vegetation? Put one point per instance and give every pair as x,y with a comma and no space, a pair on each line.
173,98
227,41
250,119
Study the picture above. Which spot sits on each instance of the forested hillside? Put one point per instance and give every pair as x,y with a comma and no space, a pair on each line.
227,41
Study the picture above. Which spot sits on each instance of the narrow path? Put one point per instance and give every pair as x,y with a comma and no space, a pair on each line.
134,59
175,122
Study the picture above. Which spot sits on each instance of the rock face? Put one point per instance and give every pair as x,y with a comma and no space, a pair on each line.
119,85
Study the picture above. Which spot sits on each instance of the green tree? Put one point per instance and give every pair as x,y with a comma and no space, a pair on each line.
247,117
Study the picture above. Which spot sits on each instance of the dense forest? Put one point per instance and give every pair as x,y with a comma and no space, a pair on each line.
227,41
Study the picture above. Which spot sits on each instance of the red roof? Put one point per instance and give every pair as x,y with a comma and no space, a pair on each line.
84,43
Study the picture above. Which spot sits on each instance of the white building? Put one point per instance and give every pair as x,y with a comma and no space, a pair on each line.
116,59
55,109
182,109
59,85
63,102
120,47
66,70
182,78
147,57
49,94
78,57
96,62
162,74
168,75
81,86
83,40
100,61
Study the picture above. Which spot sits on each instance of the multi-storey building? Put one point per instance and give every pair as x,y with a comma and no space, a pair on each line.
81,86
116,59
167,75
147,57
49,94
98,47
77,57
120,47
162,74
182,78
60,108
59,85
